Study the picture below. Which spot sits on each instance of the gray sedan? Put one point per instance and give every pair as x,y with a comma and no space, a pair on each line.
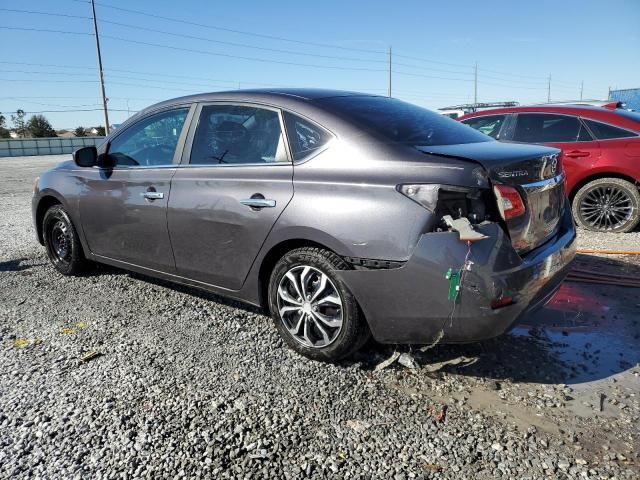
344,215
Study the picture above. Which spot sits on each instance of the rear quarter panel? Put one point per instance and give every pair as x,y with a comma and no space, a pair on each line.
347,197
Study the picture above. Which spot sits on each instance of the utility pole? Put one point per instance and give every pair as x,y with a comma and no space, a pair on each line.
389,70
104,95
549,90
581,88
475,85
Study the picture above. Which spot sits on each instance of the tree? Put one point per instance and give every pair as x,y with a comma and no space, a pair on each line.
80,132
19,123
101,131
39,127
4,133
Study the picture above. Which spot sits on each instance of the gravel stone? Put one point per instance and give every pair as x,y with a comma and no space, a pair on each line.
190,385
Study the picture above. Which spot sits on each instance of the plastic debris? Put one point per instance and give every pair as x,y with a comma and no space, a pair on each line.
462,361
20,342
90,356
407,360
464,228
384,364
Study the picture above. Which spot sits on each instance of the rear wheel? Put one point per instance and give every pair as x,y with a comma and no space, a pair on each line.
312,308
62,242
607,205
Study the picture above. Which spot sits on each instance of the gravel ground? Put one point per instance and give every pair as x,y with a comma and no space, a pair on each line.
184,384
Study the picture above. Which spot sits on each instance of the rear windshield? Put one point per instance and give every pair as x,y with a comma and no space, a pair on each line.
402,122
635,116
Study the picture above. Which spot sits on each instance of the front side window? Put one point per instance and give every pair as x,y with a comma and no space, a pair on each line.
237,134
546,128
150,142
489,125
400,122
305,137
604,131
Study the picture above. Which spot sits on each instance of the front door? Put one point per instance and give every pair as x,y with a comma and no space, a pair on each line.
228,193
123,207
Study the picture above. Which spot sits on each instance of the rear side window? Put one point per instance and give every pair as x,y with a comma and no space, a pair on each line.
237,134
604,131
401,122
489,125
546,128
305,137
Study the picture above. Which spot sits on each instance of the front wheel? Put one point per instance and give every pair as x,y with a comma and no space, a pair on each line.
312,308
62,243
607,205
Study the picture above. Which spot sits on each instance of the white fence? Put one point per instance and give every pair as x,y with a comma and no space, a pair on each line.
17,147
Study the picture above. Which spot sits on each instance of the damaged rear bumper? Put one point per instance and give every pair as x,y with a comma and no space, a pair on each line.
410,304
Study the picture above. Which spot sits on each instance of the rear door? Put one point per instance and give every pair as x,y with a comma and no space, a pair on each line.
235,180
123,208
566,132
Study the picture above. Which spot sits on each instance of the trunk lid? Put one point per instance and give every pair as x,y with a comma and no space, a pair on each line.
536,173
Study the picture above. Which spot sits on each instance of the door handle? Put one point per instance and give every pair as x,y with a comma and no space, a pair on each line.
258,202
153,195
576,154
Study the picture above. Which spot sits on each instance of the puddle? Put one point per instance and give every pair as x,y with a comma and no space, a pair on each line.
593,329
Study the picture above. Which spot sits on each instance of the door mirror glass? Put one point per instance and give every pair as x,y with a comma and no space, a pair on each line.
86,156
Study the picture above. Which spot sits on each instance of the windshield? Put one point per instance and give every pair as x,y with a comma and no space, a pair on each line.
403,122
631,115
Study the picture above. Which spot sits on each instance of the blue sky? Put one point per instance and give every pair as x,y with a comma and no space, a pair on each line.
435,45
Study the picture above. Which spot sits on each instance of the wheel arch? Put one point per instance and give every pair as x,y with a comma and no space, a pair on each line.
597,176
270,259
47,201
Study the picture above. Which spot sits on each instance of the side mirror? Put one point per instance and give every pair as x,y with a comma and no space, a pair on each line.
86,156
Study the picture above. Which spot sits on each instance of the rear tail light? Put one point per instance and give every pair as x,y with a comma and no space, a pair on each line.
510,202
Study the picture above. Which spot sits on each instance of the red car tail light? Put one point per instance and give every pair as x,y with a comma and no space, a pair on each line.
510,202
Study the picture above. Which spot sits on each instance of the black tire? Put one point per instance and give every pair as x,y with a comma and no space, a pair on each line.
62,243
605,190
353,332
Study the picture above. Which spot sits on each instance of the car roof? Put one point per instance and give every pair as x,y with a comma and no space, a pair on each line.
304,101
263,95
587,111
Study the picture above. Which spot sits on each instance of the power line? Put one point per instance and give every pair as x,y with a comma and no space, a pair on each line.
45,30
542,80
240,57
33,12
242,45
432,76
241,32
426,60
74,111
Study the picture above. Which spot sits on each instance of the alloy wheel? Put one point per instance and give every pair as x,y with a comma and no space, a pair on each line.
607,207
310,306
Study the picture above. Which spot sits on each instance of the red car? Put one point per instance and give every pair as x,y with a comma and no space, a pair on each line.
601,155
